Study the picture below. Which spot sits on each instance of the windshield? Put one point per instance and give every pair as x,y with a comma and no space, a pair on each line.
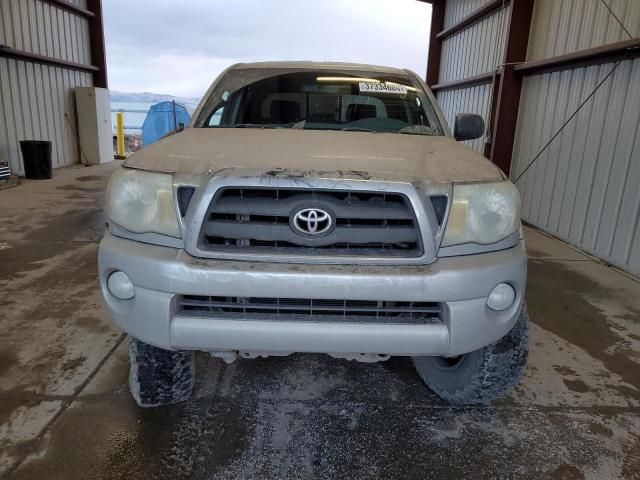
320,100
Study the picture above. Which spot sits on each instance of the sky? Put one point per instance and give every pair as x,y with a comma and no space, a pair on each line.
179,47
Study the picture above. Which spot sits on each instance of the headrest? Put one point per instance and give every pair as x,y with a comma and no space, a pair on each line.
358,111
285,111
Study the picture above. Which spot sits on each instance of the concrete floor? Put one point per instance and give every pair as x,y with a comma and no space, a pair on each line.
65,411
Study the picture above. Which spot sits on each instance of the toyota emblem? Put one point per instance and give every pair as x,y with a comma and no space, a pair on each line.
312,221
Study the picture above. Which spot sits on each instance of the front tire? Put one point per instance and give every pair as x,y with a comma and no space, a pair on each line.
481,376
160,377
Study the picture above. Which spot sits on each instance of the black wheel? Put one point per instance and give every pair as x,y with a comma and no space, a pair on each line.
160,377
481,376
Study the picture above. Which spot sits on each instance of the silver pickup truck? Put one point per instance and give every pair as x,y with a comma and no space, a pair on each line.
318,207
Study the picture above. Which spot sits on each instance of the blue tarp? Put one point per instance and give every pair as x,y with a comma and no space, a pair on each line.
162,120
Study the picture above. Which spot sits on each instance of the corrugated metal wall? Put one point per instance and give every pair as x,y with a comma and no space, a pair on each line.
37,27
467,100
458,9
566,26
34,98
586,186
79,3
476,50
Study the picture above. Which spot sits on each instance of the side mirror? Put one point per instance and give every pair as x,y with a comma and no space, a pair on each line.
468,126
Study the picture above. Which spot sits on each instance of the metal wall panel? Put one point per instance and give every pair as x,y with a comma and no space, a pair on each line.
566,26
39,27
34,99
456,10
467,100
79,3
585,187
475,50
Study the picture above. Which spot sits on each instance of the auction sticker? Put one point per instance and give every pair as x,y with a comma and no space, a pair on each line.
374,87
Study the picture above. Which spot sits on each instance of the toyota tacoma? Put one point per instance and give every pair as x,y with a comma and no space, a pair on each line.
321,208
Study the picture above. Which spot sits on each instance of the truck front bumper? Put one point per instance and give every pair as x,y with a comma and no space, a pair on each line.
460,284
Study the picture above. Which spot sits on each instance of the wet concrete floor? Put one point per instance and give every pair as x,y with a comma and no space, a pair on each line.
65,410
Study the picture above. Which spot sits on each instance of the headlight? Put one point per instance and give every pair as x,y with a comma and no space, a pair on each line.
482,213
142,202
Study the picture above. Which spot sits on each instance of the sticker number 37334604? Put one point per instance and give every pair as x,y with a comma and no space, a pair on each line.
375,87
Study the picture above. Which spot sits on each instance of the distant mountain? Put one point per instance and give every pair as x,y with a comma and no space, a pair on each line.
147,97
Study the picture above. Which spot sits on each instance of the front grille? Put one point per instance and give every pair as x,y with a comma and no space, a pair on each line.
259,220
375,311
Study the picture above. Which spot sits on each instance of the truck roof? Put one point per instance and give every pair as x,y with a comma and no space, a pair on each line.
320,66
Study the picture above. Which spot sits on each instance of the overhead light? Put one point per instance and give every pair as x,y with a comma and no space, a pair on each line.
347,79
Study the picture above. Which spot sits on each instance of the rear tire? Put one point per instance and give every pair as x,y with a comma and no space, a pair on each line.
481,376
160,377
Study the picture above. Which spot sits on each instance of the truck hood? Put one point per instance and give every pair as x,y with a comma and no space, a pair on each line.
316,153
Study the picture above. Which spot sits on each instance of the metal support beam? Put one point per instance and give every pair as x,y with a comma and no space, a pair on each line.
55,62
508,101
627,49
70,7
469,20
435,45
465,82
96,37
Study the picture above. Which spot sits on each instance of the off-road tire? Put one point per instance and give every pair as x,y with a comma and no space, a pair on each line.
481,376
160,377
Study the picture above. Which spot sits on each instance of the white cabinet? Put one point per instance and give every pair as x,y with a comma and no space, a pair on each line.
94,125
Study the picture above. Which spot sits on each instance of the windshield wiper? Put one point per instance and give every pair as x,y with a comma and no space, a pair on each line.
252,125
243,125
357,129
417,130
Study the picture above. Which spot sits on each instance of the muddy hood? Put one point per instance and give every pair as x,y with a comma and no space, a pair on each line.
314,153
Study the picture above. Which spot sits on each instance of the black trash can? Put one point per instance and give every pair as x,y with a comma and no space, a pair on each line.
36,156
